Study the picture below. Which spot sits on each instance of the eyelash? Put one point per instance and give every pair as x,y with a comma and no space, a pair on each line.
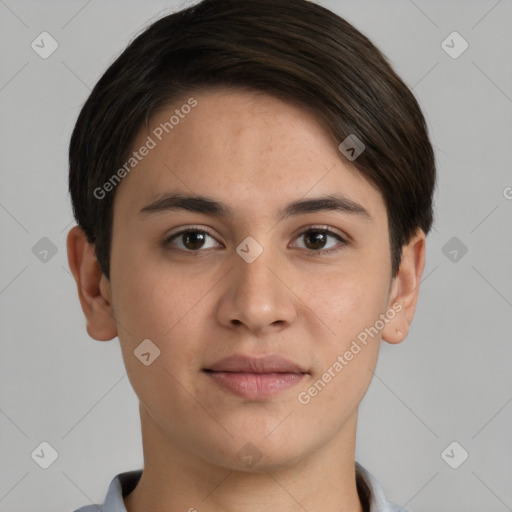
319,229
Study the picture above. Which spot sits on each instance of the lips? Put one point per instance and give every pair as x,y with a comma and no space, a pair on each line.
255,378
262,364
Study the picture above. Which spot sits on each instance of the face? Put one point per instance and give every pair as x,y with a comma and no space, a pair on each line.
248,275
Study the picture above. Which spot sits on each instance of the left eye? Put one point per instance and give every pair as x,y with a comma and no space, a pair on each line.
316,237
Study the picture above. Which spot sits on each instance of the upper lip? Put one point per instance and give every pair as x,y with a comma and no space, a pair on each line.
252,364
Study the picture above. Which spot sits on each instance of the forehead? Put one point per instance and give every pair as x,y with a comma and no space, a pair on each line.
250,150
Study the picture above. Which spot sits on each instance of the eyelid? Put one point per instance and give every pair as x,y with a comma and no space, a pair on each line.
328,229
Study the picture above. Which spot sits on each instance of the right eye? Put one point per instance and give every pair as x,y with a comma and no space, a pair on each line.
189,240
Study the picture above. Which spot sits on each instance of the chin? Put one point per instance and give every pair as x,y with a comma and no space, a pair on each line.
259,455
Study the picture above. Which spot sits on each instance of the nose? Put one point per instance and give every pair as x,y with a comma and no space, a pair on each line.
258,295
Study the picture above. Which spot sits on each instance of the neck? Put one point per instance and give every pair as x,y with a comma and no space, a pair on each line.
175,481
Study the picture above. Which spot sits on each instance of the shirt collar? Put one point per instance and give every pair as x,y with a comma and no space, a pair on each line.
124,483
376,496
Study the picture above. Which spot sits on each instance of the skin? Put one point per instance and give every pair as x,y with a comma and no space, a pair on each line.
255,153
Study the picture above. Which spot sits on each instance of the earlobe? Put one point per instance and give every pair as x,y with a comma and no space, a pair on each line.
405,290
93,288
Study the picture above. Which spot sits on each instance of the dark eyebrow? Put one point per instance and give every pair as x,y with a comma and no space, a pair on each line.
210,206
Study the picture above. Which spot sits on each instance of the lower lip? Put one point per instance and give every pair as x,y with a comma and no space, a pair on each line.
256,386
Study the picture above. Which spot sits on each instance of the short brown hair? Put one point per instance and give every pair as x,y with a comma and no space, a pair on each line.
293,49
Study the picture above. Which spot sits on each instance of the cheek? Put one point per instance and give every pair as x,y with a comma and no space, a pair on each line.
164,308
151,307
345,302
344,318
151,299
345,354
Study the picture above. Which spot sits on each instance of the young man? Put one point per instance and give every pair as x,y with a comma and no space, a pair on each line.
253,187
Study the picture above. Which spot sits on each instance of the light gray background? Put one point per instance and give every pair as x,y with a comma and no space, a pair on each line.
449,381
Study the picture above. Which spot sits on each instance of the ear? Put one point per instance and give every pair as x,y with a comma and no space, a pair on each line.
93,287
405,289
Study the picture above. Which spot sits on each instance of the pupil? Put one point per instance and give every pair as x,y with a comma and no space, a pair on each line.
194,239
318,239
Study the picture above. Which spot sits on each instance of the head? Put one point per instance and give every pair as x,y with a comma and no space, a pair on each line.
244,106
